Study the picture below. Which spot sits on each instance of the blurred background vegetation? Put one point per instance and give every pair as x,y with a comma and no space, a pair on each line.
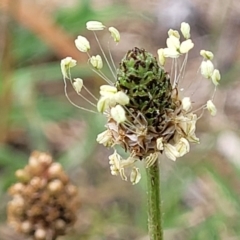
201,191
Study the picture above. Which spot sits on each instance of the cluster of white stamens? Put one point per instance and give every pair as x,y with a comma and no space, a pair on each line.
175,48
118,165
112,102
111,98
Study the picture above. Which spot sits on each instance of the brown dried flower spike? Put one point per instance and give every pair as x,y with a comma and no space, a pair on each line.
44,201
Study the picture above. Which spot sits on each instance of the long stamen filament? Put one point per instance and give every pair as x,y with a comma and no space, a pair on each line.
103,76
214,92
202,107
89,92
111,58
172,67
135,118
65,87
196,87
104,55
129,126
175,73
75,105
182,70
100,73
94,105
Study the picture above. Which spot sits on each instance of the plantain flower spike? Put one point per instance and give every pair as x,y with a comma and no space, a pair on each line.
146,111
44,202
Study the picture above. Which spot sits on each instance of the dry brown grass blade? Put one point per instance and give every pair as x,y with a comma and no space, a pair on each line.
30,16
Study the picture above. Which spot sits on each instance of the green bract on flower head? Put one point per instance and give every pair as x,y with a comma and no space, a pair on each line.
144,113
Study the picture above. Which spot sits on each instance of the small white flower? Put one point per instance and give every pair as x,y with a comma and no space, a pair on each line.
117,165
115,34
128,162
183,147
122,174
78,84
191,121
161,56
187,127
216,76
102,104
114,161
211,108
186,104
174,33
186,46
106,102
107,99
96,62
82,44
173,43
118,114
172,53
135,176
185,29
66,64
160,143
105,90
105,138
94,25
192,138
207,68
121,98
151,159
175,48
171,151
207,54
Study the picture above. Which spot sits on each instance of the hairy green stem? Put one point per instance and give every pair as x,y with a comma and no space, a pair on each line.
154,203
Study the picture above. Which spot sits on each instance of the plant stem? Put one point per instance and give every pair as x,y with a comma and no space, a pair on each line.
154,203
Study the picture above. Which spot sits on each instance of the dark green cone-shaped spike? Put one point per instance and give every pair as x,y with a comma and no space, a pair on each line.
146,83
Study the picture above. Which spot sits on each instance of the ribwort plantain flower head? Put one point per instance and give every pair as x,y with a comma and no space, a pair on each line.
145,113
44,202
